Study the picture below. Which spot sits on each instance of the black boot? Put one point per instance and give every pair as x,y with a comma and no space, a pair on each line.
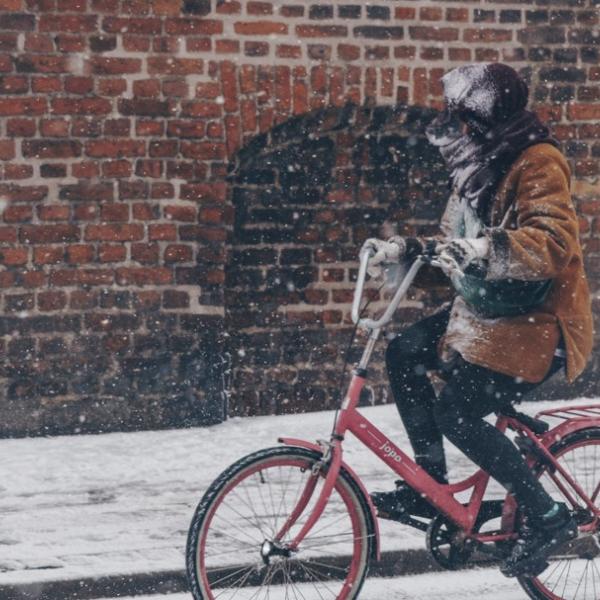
401,502
538,539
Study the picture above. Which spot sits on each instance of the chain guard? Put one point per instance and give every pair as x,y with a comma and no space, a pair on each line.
446,541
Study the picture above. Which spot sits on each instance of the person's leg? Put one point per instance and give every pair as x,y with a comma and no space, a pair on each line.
472,393
409,355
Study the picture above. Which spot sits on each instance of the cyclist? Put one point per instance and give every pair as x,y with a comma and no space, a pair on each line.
509,244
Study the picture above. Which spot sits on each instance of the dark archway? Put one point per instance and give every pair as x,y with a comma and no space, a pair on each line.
306,195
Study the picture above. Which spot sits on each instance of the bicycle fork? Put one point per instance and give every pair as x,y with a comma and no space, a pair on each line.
332,461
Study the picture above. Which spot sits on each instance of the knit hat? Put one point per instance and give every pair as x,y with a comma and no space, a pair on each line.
484,95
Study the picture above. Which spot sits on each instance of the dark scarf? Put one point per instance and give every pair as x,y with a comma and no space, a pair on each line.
491,100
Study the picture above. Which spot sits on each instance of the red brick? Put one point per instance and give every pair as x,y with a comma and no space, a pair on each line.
199,44
201,109
160,65
53,212
430,13
71,5
17,213
487,35
171,8
175,299
205,192
142,211
51,300
149,168
72,43
17,171
136,43
114,212
48,234
7,149
46,255
311,31
111,253
144,128
115,148
438,34
20,127
112,87
81,300
134,26
144,253
85,170
51,148
8,234
22,106
228,7
14,84
79,85
54,127
203,150
14,256
227,46
104,65
80,106
70,23
144,276
584,112
260,28
178,253
162,232
114,232
457,14
180,213
193,26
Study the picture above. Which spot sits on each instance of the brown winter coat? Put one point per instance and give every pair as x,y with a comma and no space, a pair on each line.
539,241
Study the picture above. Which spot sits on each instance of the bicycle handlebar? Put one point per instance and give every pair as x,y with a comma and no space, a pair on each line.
399,294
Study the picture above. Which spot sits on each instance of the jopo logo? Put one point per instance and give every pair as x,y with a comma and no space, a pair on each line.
390,452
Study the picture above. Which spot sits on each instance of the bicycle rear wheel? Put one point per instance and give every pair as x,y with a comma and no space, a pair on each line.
574,571
232,552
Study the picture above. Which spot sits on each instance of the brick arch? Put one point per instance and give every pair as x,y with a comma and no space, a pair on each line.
305,195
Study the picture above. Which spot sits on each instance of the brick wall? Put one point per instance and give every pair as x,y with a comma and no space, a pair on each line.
186,182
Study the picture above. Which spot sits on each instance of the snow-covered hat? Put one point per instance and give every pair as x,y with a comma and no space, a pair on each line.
484,95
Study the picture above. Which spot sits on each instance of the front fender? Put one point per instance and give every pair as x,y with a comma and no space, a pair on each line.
312,446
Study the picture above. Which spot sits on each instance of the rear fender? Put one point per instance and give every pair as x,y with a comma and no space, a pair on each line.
355,478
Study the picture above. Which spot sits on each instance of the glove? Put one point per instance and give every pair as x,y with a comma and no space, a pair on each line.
383,252
458,254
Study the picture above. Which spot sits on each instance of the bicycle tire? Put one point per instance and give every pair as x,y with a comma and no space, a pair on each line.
238,473
534,586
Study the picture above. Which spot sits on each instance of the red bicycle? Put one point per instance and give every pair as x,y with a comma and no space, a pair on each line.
296,522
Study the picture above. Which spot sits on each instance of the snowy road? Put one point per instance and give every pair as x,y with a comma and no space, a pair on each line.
435,586
120,504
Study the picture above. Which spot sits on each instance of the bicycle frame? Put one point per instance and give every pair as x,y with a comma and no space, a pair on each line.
441,496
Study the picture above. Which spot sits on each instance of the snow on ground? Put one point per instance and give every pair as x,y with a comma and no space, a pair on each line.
121,503
433,586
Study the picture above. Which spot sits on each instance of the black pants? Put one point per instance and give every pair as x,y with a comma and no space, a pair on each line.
469,394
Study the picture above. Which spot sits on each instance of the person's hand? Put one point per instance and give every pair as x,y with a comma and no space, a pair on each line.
457,255
383,252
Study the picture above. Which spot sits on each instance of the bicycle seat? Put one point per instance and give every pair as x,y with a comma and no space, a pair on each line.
538,426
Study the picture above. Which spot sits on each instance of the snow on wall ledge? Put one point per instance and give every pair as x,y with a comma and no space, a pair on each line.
124,243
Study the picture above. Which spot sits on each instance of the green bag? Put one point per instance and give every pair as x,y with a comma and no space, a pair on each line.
501,298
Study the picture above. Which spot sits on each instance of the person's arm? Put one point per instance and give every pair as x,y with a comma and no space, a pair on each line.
547,230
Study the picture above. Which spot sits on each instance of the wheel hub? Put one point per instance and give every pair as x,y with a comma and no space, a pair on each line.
271,549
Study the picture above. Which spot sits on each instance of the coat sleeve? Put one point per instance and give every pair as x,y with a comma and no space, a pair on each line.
546,233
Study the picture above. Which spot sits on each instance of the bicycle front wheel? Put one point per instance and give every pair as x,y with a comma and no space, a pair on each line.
233,550
574,570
